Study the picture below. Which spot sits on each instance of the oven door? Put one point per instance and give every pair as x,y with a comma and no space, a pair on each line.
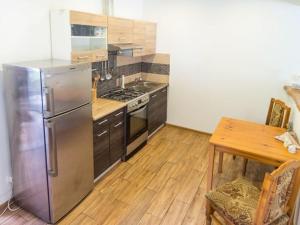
137,123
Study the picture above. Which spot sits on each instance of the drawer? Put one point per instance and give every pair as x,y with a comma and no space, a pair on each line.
82,57
118,115
102,123
101,141
155,95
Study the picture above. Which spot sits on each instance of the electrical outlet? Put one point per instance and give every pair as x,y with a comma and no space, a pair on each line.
9,180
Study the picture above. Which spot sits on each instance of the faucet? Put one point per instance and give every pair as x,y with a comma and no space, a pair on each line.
136,80
123,82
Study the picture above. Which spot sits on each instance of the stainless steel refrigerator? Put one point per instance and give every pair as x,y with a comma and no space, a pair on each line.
49,119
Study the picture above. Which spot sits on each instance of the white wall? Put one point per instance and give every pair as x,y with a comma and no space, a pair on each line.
25,35
132,9
228,58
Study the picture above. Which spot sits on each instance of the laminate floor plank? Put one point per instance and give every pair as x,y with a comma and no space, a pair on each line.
163,184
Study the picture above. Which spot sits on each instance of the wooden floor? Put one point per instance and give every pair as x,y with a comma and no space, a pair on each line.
164,183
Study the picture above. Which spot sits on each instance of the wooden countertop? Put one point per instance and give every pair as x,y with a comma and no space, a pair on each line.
294,93
102,107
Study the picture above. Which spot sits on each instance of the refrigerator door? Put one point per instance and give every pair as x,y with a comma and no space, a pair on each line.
65,88
70,169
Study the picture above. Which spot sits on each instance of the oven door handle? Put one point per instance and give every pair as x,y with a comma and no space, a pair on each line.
138,111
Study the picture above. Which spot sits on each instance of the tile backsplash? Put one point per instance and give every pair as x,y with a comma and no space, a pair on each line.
156,68
156,65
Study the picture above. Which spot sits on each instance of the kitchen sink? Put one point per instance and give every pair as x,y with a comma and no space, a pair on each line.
145,86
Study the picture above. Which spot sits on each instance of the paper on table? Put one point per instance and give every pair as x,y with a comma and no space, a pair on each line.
288,140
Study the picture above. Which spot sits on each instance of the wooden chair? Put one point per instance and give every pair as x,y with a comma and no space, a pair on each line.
278,116
241,203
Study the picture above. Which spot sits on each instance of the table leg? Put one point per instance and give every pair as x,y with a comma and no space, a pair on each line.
220,166
210,171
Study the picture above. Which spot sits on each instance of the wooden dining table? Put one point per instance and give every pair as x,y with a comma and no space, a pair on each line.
252,141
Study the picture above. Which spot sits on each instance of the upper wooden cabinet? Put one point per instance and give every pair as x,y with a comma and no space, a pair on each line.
83,37
120,30
83,18
144,34
150,39
78,36
139,36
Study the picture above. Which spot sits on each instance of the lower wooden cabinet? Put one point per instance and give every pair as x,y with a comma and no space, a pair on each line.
157,110
109,140
117,140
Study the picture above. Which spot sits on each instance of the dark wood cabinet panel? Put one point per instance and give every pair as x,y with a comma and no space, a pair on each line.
118,115
109,140
101,163
101,141
157,110
117,140
102,123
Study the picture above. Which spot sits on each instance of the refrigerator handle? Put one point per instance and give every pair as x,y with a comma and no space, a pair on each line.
49,101
51,149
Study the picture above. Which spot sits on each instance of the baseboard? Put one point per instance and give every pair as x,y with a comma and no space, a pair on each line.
3,206
198,131
158,129
96,180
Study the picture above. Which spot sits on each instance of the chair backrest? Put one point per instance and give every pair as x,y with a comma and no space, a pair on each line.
276,192
278,114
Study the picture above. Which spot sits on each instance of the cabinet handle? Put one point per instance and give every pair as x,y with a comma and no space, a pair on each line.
119,124
104,132
163,91
49,95
51,149
153,96
83,57
102,122
118,114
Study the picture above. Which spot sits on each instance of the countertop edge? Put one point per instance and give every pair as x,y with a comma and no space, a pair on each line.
95,118
122,104
159,88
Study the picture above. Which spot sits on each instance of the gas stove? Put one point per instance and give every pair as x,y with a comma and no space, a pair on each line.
134,98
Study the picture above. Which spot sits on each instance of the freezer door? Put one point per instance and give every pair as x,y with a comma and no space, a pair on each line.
65,88
69,144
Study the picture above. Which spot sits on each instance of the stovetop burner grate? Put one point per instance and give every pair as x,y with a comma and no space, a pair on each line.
123,95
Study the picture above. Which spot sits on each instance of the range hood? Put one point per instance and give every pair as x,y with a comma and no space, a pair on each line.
123,49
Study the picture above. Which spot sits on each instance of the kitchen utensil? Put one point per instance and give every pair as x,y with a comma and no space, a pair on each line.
108,76
96,79
102,77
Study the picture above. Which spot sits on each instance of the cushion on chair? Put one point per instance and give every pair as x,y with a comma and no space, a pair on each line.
283,220
276,116
237,200
278,201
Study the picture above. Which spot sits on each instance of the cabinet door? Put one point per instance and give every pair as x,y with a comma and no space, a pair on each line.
154,112
101,163
117,140
150,38
83,18
157,111
120,30
101,141
139,33
101,151
163,105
